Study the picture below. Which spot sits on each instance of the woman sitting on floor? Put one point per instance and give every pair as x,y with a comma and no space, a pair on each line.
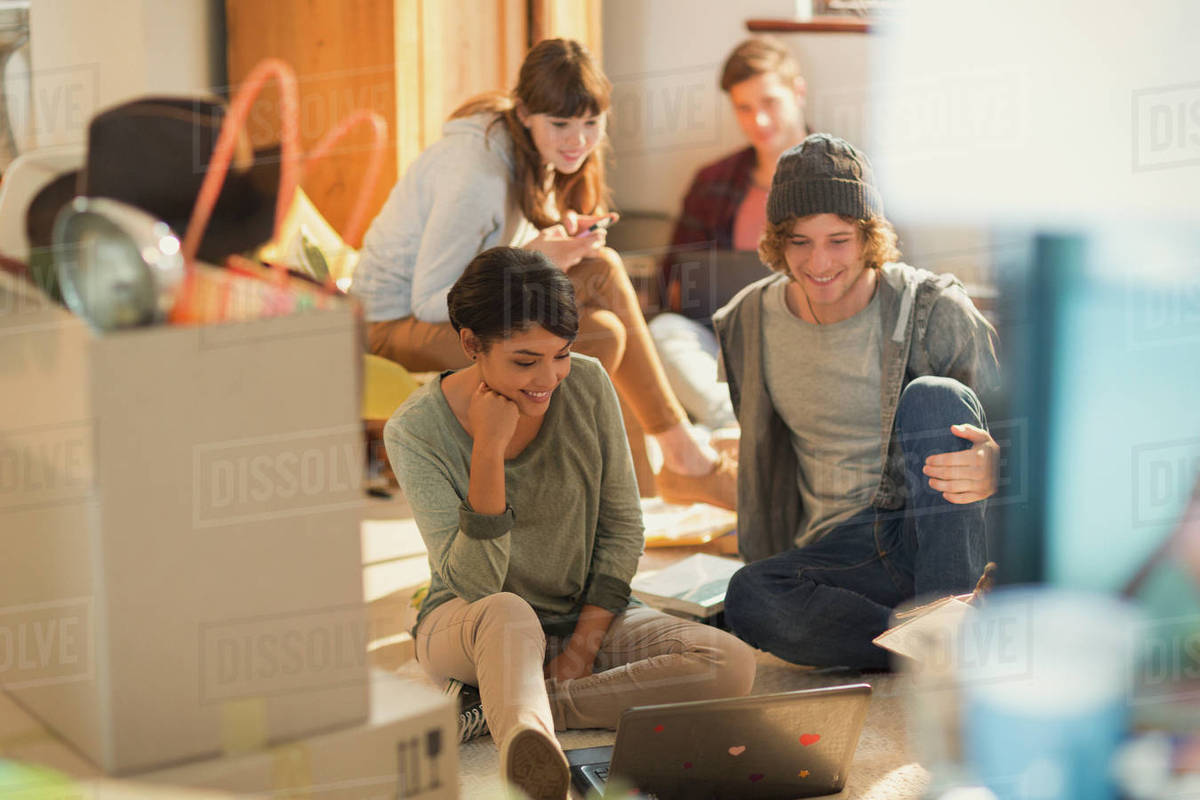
522,485
527,170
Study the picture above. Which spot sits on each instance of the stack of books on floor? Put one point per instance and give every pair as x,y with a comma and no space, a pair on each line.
692,588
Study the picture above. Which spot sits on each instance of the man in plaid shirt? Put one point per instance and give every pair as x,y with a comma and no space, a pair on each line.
725,209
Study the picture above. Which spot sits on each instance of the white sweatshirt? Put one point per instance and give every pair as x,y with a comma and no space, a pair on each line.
457,199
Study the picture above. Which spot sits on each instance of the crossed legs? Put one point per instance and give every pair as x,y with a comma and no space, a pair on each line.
824,603
646,657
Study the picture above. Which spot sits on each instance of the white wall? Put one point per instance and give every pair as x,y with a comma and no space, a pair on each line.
670,116
664,58
88,55
177,36
1093,112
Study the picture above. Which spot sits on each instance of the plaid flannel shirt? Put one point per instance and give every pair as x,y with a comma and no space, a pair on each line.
709,210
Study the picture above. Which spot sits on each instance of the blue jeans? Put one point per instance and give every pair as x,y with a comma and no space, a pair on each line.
823,604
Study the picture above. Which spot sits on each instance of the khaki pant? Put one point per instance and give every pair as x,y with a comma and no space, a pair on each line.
646,657
611,328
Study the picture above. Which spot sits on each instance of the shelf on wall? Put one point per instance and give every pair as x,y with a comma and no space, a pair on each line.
814,25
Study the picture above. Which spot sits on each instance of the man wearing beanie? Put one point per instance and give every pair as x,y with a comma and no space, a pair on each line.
864,455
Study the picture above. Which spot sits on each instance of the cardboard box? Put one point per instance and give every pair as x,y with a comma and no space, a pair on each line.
24,739
390,757
18,782
407,750
36,765
179,516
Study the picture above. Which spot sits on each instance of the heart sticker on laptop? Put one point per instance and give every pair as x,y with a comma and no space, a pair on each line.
658,728
687,765
810,738
756,777
737,751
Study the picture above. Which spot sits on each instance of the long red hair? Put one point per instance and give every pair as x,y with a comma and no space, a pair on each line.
558,77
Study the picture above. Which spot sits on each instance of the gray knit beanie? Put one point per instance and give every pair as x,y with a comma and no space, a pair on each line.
823,175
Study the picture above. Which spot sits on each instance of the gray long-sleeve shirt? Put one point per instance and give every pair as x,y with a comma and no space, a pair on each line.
573,530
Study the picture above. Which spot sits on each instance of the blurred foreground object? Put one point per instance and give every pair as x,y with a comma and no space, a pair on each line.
1029,112
118,266
1044,676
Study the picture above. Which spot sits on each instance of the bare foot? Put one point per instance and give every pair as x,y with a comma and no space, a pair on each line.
682,454
727,441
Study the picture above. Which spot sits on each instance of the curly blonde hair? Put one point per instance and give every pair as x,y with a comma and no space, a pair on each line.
878,237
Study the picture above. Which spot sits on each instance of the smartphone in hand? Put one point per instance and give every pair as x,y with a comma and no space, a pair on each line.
601,224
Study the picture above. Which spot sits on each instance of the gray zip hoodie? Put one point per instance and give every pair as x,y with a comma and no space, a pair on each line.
457,199
930,327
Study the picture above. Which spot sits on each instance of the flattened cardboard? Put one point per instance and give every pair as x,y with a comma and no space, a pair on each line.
408,748
388,756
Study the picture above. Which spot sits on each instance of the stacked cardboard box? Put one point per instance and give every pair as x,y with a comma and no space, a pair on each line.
406,749
181,592
179,509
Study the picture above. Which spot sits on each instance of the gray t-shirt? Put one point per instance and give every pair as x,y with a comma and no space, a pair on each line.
573,530
824,382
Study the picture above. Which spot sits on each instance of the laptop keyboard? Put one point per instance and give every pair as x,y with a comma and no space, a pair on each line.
597,779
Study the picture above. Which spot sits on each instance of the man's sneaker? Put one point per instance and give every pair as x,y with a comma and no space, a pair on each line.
471,722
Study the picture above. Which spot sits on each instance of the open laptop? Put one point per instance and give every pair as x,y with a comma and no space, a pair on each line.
708,279
765,747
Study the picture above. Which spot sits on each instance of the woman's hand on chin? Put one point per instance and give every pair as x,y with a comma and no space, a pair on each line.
493,417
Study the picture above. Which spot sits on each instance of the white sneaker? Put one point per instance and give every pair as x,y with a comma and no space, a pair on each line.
533,762
471,722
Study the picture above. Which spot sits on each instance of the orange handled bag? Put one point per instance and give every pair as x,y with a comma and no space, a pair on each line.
246,289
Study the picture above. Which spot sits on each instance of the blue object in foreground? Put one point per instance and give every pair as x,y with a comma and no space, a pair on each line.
1045,680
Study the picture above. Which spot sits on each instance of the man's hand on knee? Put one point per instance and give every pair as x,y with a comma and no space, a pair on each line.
966,476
